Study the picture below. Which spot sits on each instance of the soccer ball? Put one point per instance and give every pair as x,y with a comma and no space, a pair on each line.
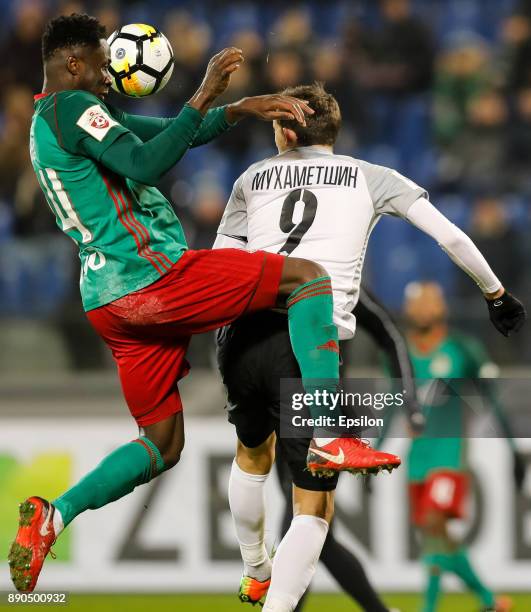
141,60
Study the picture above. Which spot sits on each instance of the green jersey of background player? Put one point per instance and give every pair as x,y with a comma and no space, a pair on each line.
437,460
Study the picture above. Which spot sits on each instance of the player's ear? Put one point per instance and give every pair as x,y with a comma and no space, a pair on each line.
290,136
73,65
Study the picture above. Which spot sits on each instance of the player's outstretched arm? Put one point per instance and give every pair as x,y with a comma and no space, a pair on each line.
147,162
142,126
506,313
220,119
267,108
214,123
394,194
216,79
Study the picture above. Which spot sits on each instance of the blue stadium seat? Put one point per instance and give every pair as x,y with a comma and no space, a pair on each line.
518,211
6,222
391,261
454,206
233,19
35,276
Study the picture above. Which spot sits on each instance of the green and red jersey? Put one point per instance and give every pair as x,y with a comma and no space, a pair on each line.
127,232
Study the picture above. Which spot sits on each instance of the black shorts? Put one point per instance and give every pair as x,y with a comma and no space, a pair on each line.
254,353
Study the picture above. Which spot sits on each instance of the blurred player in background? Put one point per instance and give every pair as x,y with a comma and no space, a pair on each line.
310,202
437,463
144,292
346,569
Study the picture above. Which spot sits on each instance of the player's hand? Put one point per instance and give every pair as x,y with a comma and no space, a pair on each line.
217,77
519,470
506,313
269,108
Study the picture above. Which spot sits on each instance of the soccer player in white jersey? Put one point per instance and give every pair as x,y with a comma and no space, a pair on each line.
309,202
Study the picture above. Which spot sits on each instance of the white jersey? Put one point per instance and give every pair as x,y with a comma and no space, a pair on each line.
311,203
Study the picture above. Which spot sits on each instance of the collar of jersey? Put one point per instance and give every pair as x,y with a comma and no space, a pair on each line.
311,149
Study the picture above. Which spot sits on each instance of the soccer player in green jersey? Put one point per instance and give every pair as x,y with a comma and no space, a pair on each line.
143,290
437,466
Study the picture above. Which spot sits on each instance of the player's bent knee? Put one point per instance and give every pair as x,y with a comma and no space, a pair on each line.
310,270
297,272
168,437
171,458
172,454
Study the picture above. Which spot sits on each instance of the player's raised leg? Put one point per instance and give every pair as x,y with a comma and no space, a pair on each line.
314,339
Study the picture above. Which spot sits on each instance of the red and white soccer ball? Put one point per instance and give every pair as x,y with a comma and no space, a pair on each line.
141,60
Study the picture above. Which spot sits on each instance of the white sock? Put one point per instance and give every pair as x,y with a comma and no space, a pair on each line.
247,505
57,521
295,562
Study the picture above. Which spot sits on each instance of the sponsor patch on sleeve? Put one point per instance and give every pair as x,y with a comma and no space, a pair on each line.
96,122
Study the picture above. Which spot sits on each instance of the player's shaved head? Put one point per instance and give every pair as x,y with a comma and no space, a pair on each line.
424,304
323,126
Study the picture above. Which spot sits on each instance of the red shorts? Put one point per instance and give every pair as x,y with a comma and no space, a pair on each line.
443,491
148,331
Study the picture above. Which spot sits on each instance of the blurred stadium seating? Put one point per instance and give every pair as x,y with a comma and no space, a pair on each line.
434,88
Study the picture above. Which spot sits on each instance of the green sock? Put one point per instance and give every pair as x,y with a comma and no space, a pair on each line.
458,563
463,568
130,465
314,338
432,590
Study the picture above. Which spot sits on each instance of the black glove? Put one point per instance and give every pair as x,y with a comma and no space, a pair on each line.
506,313
519,470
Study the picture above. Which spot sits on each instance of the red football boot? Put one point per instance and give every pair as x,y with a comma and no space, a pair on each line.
34,539
348,455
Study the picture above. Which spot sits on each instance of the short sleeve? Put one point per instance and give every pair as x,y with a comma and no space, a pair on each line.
234,220
391,193
85,124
